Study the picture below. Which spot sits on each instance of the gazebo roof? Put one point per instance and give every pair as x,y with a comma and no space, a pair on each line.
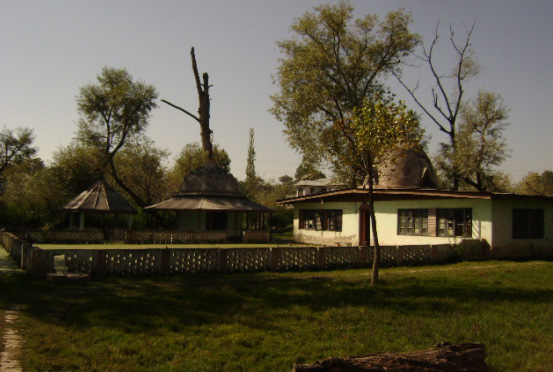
209,203
210,188
100,198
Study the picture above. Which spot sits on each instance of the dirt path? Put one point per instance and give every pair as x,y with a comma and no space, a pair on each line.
11,341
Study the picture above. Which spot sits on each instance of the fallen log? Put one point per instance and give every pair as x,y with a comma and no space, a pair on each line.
466,357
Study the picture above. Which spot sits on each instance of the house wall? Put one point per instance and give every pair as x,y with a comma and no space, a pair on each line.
387,222
350,225
504,245
190,221
196,220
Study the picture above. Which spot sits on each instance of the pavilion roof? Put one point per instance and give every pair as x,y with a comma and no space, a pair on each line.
100,198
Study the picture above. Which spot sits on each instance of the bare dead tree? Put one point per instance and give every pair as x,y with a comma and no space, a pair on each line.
204,107
446,100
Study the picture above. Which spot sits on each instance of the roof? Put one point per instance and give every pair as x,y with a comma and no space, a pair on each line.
209,188
410,168
321,182
210,203
100,198
210,180
360,194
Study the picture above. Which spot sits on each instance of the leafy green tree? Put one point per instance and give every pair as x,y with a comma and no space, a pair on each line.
373,135
331,66
308,171
191,158
76,167
535,183
15,146
250,166
141,167
480,143
33,197
114,111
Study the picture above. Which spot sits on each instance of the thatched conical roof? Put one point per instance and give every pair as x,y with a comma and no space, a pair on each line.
411,169
100,198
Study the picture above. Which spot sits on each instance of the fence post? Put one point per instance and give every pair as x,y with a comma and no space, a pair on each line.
433,254
222,256
363,256
40,265
321,257
400,253
274,257
165,262
101,269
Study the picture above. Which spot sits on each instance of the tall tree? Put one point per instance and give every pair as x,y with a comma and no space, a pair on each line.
202,86
447,91
250,165
331,65
535,183
375,133
481,145
15,146
113,111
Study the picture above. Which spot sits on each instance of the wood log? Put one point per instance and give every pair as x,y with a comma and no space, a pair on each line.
466,357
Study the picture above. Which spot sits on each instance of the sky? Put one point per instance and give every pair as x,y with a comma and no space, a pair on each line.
49,49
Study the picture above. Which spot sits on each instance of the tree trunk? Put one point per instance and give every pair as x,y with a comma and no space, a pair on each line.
203,111
138,200
376,257
467,357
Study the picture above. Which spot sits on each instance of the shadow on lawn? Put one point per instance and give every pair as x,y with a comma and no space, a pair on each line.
260,301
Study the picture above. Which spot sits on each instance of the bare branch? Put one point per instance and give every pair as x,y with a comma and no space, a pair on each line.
181,109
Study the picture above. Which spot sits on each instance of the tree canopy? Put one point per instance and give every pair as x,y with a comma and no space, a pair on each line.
113,111
535,183
16,146
480,143
331,66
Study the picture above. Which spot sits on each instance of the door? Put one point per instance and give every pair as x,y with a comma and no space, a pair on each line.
364,225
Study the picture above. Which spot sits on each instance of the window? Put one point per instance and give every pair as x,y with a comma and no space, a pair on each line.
455,222
321,220
527,223
412,222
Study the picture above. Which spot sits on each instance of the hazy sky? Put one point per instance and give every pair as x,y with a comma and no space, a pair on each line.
49,49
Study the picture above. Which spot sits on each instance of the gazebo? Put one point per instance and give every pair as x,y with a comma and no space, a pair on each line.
100,198
209,199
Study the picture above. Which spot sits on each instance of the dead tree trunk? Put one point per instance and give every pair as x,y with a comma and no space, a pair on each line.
204,107
468,357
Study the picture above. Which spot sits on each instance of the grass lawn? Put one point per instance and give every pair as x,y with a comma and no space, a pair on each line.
268,321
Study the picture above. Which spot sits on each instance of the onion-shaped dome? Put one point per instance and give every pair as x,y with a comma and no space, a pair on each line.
410,169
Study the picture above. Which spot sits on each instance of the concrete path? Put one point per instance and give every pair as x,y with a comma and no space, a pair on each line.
12,342
8,265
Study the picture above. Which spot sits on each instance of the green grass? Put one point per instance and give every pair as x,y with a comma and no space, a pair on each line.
268,321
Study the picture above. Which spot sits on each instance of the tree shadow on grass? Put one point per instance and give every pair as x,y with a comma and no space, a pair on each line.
260,300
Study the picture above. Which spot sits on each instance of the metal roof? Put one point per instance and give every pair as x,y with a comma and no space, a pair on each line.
360,194
210,203
100,198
